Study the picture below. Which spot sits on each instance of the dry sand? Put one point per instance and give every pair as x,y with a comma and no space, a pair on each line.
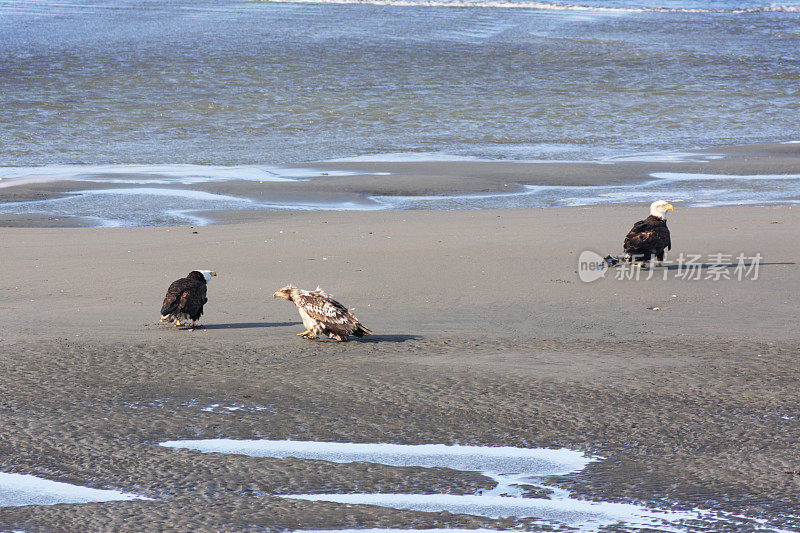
483,335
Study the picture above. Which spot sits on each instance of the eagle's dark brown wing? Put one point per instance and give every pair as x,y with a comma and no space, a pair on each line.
171,303
193,299
648,236
185,296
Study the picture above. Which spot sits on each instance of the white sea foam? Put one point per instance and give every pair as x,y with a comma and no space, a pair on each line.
221,407
34,7
21,489
575,513
688,188
188,194
146,205
389,530
230,407
683,176
522,4
414,157
152,206
513,469
665,157
539,460
404,157
131,206
154,174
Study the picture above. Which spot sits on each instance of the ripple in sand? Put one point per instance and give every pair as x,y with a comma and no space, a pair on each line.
513,469
22,489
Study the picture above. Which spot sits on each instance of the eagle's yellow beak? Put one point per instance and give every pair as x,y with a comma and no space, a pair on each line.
213,273
668,206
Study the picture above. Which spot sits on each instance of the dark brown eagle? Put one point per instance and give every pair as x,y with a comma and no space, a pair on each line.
185,298
649,237
322,314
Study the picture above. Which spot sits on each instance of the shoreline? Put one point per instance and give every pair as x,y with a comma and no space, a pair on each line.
384,185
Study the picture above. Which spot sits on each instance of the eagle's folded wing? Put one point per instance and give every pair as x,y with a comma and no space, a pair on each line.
335,317
652,238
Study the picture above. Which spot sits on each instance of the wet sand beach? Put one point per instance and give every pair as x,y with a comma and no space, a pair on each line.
483,334
175,195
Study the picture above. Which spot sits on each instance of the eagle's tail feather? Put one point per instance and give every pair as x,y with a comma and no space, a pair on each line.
361,331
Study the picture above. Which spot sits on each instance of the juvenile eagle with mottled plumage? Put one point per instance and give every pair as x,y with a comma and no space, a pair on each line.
186,297
322,314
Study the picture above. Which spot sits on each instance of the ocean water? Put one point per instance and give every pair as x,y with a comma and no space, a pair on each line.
177,84
240,82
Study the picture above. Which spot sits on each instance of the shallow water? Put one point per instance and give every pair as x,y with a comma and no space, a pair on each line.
149,206
145,205
155,174
512,468
681,189
22,489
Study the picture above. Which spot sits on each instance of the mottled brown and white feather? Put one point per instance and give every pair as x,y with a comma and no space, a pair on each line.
322,314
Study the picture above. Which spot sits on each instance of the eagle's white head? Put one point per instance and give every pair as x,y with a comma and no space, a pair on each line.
207,274
659,208
287,293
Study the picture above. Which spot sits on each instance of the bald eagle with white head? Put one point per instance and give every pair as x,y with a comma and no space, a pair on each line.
649,237
185,298
322,314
